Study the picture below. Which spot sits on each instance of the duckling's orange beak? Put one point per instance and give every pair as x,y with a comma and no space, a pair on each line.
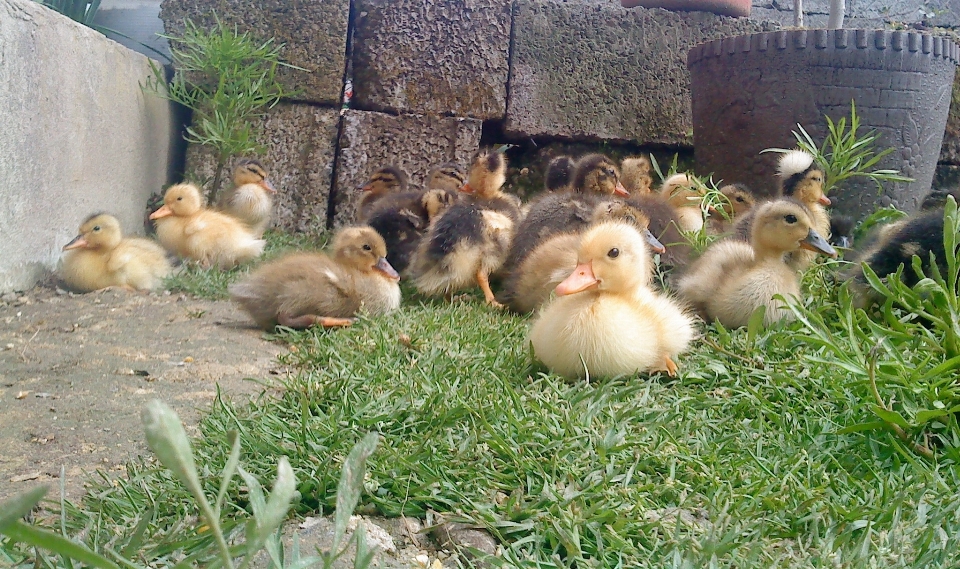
365,188
654,243
814,242
385,268
265,184
620,190
164,211
580,280
466,189
77,243
824,200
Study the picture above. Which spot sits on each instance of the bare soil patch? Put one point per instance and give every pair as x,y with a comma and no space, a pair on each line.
75,370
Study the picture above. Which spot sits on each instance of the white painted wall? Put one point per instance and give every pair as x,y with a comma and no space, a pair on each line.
78,136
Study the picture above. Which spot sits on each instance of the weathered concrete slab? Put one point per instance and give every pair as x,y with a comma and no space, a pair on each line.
300,143
583,69
78,136
415,143
313,34
446,57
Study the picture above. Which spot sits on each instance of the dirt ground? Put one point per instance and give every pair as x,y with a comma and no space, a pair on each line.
75,370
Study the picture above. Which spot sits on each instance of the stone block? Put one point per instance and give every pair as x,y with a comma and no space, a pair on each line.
581,69
950,151
414,143
79,136
313,34
300,142
445,57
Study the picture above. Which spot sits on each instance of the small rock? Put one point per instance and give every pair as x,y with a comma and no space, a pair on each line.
25,477
8,347
61,292
461,537
376,535
42,395
8,297
22,394
188,360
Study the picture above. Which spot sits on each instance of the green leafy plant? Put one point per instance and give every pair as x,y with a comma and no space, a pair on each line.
846,153
166,437
229,80
82,11
904,356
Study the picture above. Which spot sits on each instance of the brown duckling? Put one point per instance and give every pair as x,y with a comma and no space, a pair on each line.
738,200
251,198
385,181
304,289
596,178
920,234
402,226
636,174
559,174
606,319
553,260
733,278
101,257
186,228
448,176
469,240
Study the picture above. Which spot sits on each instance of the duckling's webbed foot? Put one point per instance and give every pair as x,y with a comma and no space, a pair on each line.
669,366
484,281
308,320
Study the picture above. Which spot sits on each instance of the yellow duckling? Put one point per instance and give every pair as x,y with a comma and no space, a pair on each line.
210,237
636,173
607,320
251,198
386,181
303,289
469,240
734,278
552,261
803,181
100,257
684,195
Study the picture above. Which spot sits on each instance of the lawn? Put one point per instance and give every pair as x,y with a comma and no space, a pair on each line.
770,449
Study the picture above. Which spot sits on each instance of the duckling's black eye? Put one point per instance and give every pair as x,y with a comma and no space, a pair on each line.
96,228
790,218
740,199
613,253
367,247
180,199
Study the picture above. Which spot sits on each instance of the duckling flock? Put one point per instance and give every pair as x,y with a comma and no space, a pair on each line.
581,255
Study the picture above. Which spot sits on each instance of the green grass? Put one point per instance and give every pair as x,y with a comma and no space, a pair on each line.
765,452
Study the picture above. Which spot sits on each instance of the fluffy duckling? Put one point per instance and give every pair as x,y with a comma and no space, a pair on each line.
636,173
682,193
469,240
734,278
100,257
552,261
303,289
664,225
385,181
738,200
841,231
559,174
595,179
803,181
210,237
251,198
897,243
606,320
448,176
403,225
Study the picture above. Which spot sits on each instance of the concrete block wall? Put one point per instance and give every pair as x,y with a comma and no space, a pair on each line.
78,136
544,70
